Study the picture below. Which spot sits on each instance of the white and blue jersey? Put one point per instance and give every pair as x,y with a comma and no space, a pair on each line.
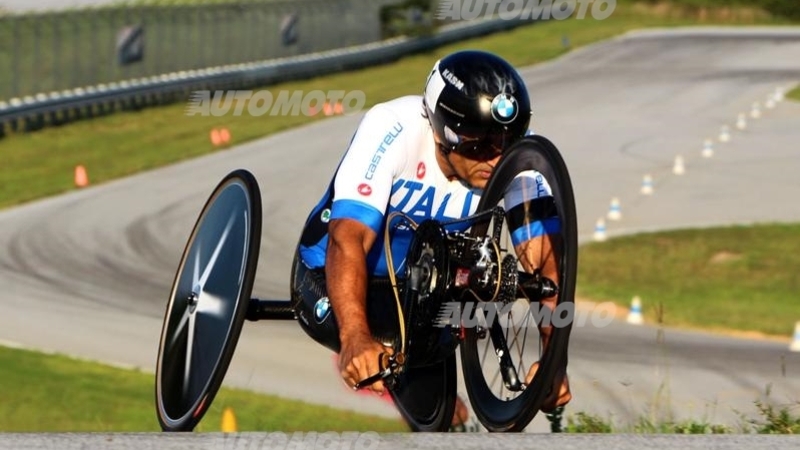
390,165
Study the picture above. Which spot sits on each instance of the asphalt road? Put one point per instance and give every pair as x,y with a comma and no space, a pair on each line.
420,441
88,273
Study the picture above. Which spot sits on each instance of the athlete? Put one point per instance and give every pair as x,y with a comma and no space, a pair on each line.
428,156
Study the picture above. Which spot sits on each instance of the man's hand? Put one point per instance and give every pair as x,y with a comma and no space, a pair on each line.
359,359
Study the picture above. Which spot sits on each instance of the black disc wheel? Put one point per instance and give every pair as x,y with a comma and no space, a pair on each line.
425,392
498,352
426,396
208,302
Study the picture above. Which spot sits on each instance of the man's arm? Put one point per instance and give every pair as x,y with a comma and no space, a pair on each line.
346,277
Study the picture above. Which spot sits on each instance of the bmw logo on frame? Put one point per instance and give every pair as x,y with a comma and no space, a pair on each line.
504,108
322,309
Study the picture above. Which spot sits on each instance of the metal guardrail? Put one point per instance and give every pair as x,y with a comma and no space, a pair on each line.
63,49
34,112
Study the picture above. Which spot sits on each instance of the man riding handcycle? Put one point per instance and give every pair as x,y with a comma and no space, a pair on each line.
419,219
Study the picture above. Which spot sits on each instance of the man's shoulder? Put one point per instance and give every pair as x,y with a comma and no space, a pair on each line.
402,115
402,107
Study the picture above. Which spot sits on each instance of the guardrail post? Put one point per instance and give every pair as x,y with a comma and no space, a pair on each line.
33,123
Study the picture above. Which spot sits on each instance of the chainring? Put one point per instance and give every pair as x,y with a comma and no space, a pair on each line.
427,287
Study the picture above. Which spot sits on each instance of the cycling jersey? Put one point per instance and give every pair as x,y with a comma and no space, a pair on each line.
390,165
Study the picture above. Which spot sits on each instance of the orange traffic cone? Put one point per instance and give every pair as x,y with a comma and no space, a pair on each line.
327,109
216,138
81,177
224,136
338,109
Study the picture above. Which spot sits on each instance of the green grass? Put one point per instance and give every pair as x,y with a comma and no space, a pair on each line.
728,278
772,420
772,417
40,164
794,94
54,393
782,8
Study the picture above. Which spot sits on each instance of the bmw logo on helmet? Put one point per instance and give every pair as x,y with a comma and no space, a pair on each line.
322,309
504,108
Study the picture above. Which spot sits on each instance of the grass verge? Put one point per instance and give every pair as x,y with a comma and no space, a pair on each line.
40,164
794,94
55,393
728,278
772,419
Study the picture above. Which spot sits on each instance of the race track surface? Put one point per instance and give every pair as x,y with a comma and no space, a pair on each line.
88,273
396,441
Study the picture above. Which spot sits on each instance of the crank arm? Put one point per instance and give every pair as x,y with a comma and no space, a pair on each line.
389,364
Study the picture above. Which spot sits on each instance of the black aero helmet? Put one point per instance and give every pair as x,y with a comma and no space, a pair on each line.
477,103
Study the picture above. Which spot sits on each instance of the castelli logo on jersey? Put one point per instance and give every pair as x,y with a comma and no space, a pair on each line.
421,170
364,189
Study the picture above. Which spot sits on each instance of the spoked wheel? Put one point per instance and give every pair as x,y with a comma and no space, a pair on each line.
498,353
208,302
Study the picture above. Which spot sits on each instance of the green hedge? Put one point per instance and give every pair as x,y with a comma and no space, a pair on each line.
786,8
409,17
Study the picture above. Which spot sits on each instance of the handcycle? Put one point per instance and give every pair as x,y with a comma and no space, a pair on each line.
473,265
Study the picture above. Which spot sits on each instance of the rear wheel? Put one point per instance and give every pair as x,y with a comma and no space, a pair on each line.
496,356
208,302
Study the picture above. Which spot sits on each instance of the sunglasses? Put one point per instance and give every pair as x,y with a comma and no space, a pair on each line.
478,148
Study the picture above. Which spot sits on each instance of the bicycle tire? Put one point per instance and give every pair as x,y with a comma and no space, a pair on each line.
208,302
537,153
426,395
